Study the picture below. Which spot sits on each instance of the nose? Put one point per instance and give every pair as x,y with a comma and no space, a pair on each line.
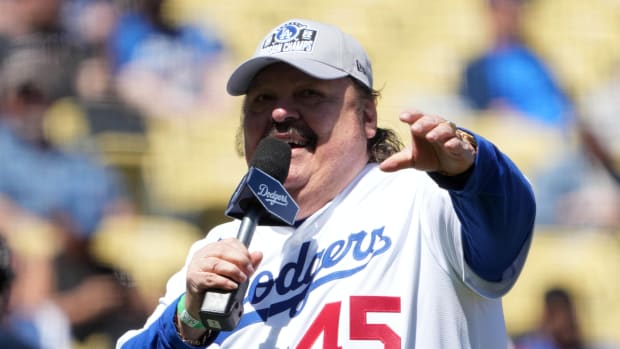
284,110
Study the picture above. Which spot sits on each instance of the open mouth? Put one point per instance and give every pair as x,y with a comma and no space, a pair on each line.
296,137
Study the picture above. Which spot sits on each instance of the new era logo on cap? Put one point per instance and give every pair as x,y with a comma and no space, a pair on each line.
320,50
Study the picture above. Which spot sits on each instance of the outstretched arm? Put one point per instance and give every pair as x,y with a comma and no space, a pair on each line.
493,200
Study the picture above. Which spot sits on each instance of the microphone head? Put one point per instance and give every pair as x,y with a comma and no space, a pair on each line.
273,157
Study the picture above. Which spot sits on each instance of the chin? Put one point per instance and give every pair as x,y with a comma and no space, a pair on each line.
293,183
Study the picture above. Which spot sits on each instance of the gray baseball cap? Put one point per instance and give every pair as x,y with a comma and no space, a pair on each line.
319,50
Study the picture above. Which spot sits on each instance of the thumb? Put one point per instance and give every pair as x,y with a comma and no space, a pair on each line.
401,160
256,257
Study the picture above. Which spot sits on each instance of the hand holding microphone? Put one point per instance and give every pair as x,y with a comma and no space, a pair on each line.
224,267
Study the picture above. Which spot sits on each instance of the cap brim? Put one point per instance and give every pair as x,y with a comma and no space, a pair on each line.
240,79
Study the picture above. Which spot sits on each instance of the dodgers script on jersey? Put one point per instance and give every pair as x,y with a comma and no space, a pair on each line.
381,266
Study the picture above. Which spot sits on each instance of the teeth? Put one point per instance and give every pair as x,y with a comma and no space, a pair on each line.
297,142
291,136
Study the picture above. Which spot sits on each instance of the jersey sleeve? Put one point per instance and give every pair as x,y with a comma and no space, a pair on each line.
159,331
487,226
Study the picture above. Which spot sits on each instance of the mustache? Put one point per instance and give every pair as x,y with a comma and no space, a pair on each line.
296,132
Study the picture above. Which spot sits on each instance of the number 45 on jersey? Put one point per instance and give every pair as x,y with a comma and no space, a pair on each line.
328,319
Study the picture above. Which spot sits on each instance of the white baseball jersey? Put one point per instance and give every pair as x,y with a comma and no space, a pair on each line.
381,266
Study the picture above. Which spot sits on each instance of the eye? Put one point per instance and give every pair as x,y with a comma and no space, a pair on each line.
259,102
309,93
310,96
261,98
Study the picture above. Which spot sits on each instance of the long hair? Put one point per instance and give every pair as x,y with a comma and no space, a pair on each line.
385,142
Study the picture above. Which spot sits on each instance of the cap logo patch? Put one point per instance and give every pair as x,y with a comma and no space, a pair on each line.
289,37
361,67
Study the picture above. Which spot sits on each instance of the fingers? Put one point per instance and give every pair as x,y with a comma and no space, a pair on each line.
435,146
221,265
431,127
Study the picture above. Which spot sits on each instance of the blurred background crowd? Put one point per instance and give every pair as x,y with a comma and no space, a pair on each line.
118,145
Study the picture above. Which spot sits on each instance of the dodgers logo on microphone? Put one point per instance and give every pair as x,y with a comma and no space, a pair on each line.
258,186
272,197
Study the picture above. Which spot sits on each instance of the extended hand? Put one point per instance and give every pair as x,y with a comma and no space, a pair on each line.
435,146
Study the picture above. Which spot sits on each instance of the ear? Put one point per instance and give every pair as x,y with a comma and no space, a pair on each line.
369,112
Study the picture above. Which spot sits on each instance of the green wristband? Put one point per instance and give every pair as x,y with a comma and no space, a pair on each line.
185,317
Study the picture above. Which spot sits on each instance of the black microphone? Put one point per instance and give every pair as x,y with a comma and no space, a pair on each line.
273,157
260,198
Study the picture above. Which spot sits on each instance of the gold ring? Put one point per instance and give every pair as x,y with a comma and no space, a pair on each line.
451,124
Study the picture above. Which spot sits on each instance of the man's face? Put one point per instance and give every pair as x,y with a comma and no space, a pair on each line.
324,121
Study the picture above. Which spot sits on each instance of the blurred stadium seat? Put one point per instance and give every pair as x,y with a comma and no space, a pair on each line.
585,262
149,248
110,131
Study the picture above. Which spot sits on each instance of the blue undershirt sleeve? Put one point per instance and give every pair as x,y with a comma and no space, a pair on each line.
162,334
495,204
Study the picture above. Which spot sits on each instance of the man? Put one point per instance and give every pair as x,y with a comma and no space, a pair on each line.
164,67
559,324
511,77
382,255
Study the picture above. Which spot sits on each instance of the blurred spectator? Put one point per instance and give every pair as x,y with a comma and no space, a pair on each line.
578,191
583,188
559,325
164,67
73,183
510,76
38,22
114,128
601,139
62,293
89,22
7,338
7,24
